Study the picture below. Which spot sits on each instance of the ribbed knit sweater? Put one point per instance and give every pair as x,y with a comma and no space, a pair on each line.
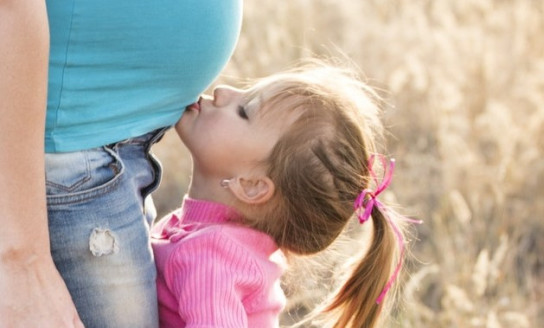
213,272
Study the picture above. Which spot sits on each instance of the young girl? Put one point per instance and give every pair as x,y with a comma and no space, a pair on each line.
279,168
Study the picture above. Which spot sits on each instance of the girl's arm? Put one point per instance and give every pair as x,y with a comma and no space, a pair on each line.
33,293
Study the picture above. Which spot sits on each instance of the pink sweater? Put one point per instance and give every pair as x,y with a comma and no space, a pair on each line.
213,272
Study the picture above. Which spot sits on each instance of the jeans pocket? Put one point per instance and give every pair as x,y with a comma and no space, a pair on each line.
75,176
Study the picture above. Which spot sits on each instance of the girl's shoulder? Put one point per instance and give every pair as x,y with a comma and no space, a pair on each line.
253,240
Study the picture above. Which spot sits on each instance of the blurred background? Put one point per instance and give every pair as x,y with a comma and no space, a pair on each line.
464,85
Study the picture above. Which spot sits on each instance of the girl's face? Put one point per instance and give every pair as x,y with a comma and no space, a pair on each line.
226,134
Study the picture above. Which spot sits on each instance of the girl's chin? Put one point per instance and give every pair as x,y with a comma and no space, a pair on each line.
179,129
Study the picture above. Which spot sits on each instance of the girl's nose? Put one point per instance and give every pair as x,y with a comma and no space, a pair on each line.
224,95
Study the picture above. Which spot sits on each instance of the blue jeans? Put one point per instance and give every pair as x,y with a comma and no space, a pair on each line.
99,211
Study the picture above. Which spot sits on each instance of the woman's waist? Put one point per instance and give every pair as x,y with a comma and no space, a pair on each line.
102,127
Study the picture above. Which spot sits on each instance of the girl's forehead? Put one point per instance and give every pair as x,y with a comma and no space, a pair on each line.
266,88
271,97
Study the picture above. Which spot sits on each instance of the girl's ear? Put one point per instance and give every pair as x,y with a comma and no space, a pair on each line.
255,190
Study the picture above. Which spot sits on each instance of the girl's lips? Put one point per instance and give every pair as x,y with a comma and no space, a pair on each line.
195,106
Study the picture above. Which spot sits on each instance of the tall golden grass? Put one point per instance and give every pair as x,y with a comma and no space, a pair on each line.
464,84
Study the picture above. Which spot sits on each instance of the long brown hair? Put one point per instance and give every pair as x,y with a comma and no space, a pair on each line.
319,167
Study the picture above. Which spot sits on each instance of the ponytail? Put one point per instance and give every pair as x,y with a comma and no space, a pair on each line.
360,300
358,303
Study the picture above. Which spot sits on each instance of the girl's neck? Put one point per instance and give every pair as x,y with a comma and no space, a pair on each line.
210,189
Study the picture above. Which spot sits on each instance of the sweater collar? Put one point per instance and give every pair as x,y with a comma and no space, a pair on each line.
195,212
202,211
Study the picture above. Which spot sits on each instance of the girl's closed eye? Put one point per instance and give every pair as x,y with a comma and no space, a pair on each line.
242,112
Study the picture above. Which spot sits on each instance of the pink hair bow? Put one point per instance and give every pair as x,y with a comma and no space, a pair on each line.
366,201
368,204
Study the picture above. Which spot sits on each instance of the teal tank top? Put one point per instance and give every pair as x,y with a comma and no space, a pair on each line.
121,68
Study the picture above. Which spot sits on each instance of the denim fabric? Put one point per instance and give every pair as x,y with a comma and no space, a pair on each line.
100,210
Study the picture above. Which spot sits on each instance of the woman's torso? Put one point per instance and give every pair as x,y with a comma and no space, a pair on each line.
121,68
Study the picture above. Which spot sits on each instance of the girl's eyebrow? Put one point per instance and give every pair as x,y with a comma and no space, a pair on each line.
252,104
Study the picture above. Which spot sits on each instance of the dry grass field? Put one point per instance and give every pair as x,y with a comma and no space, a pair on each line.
464,85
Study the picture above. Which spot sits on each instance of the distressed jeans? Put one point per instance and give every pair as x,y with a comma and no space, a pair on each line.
99,211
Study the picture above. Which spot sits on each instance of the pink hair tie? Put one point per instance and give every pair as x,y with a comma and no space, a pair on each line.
367,200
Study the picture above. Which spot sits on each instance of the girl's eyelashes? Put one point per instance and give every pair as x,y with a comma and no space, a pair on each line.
242,112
